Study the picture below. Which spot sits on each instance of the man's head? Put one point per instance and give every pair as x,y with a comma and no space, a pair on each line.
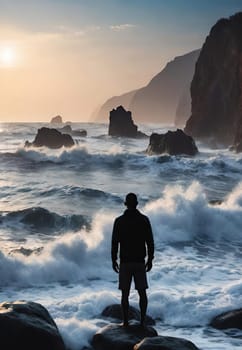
131,201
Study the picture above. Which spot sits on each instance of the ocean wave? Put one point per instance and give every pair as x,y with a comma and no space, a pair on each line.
119,158
37,219
180,216
90,193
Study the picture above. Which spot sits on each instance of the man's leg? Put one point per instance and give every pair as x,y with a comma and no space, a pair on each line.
125,306
143,302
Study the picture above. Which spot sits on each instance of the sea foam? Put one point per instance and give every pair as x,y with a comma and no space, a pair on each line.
179,215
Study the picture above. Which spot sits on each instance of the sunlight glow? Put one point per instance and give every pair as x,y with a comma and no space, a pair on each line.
8,57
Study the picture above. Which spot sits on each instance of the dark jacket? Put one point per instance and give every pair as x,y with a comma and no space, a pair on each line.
132,231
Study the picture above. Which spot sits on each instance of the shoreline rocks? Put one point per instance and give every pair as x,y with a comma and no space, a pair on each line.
172,143
115,311
165,343
117,337
28,325
229,319
51,138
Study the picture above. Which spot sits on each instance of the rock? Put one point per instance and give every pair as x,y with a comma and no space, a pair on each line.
230,319
56,120
216,85
165,343
157,101
28,325
121,124
115,311
173,143
117,337
51,138
67,129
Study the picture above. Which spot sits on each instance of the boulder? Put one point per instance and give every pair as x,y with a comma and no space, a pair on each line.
28,325
115,311
56,120
117,337
165,343
51,138
173,143
216,86
121,124
230,319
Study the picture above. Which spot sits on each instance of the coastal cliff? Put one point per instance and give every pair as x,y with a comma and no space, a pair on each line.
216,88
158,101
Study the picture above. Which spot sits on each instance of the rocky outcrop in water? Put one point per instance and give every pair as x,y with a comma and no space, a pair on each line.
173,143
115,311
216,88
121,124
230,319
135,337
117,337
56,120
28,326
165,343
157,101
51,138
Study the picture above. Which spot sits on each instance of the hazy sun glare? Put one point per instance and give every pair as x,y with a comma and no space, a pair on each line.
8,57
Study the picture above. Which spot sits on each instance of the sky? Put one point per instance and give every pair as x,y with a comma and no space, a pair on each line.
66,57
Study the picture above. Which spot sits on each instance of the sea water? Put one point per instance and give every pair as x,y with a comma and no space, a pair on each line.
57,209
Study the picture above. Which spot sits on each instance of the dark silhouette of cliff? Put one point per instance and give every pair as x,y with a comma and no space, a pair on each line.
157,102
216,88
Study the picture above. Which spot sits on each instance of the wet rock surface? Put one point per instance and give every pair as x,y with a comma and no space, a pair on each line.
117,337
28,325
165,343
172,143
115,311
51,138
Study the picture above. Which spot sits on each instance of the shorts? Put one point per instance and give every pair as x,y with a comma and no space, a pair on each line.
132,270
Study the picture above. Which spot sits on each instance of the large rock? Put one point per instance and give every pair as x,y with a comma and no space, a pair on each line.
28,326
173,143
230,319
117,337
56,120
51,138
216,86
115,311
121,124
165,343
157,101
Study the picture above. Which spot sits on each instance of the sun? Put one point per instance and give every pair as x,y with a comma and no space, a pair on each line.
8,57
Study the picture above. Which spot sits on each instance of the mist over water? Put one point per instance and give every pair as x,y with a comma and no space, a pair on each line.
56,213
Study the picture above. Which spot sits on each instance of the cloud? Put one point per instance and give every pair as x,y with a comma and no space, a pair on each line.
121,27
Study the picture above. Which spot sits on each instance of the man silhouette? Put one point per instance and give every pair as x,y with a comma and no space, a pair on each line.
132,236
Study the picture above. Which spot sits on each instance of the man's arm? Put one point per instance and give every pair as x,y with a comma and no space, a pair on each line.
114,248
150,246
